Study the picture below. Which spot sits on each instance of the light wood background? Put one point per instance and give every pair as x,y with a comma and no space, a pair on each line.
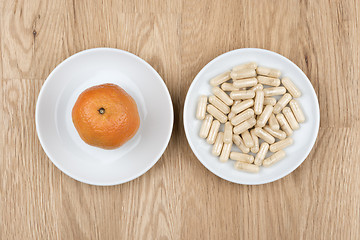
178,198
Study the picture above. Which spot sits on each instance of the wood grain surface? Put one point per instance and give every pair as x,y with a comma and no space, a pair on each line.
179,198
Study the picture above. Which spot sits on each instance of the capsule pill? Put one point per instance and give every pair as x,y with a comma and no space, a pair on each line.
240,143
290,118
243,73
205,126
201,108
250,65
243,83
274,91
281,144
247,139
217,147
220,79
243,116
222,96
261,133
257,87
265,115
255,148
273,122
219,104
284,125
275,82
228,87
248,167
283,101
214,129
242,94
260,156
291,87
275,133
269,101
242,157
216,113
296,109
228,131
268,72
242,106
274,158
259,102
225,152
242,127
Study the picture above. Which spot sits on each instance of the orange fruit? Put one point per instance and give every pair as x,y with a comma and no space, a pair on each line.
105,116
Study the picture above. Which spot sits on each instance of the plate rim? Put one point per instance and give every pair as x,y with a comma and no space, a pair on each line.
40,97
187,134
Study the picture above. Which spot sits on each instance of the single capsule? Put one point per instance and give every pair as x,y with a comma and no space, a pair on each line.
228,131
201,108
243,116
243,94
284,100
268,72
275,82
240,143
274,91
290,118
284,124
269,101
242,127
250,65
273,122
291,87
249,142
219,79
261,133
259,102
225,152
281,144
265,115
296,109
205,126
260,156
255,148
275,133
243,73
228,87
214,129
219,104
216,113
222,96
247,82
274,158
217,147
242,106
242,157
257,87
248,167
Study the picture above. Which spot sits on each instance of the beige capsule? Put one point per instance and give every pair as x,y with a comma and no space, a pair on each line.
242,94
242,106
247,82
291,87
243,116
216,113
250,65
275,133
225,152
268,72
219,104
274,91
228,132
228,87
219,79
205,126
240,143
255,148
264,135
222,96
242,127
275,82
296,109
214,129
281,144
259,102
248,167
284,125
247,139
260,156
269,101
242,157
274,158
257,87
201,108
243,73
283,101
217,147
273,122
265,115
290,118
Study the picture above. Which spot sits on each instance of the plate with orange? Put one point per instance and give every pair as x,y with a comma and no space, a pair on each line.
104,116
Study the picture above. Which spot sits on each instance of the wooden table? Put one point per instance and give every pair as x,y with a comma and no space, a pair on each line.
179,198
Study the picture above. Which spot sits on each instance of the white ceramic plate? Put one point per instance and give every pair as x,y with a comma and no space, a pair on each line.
304,138
60,139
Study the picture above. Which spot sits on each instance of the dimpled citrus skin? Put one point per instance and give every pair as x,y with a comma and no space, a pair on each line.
105,116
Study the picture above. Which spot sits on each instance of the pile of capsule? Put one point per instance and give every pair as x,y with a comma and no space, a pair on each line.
243,100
